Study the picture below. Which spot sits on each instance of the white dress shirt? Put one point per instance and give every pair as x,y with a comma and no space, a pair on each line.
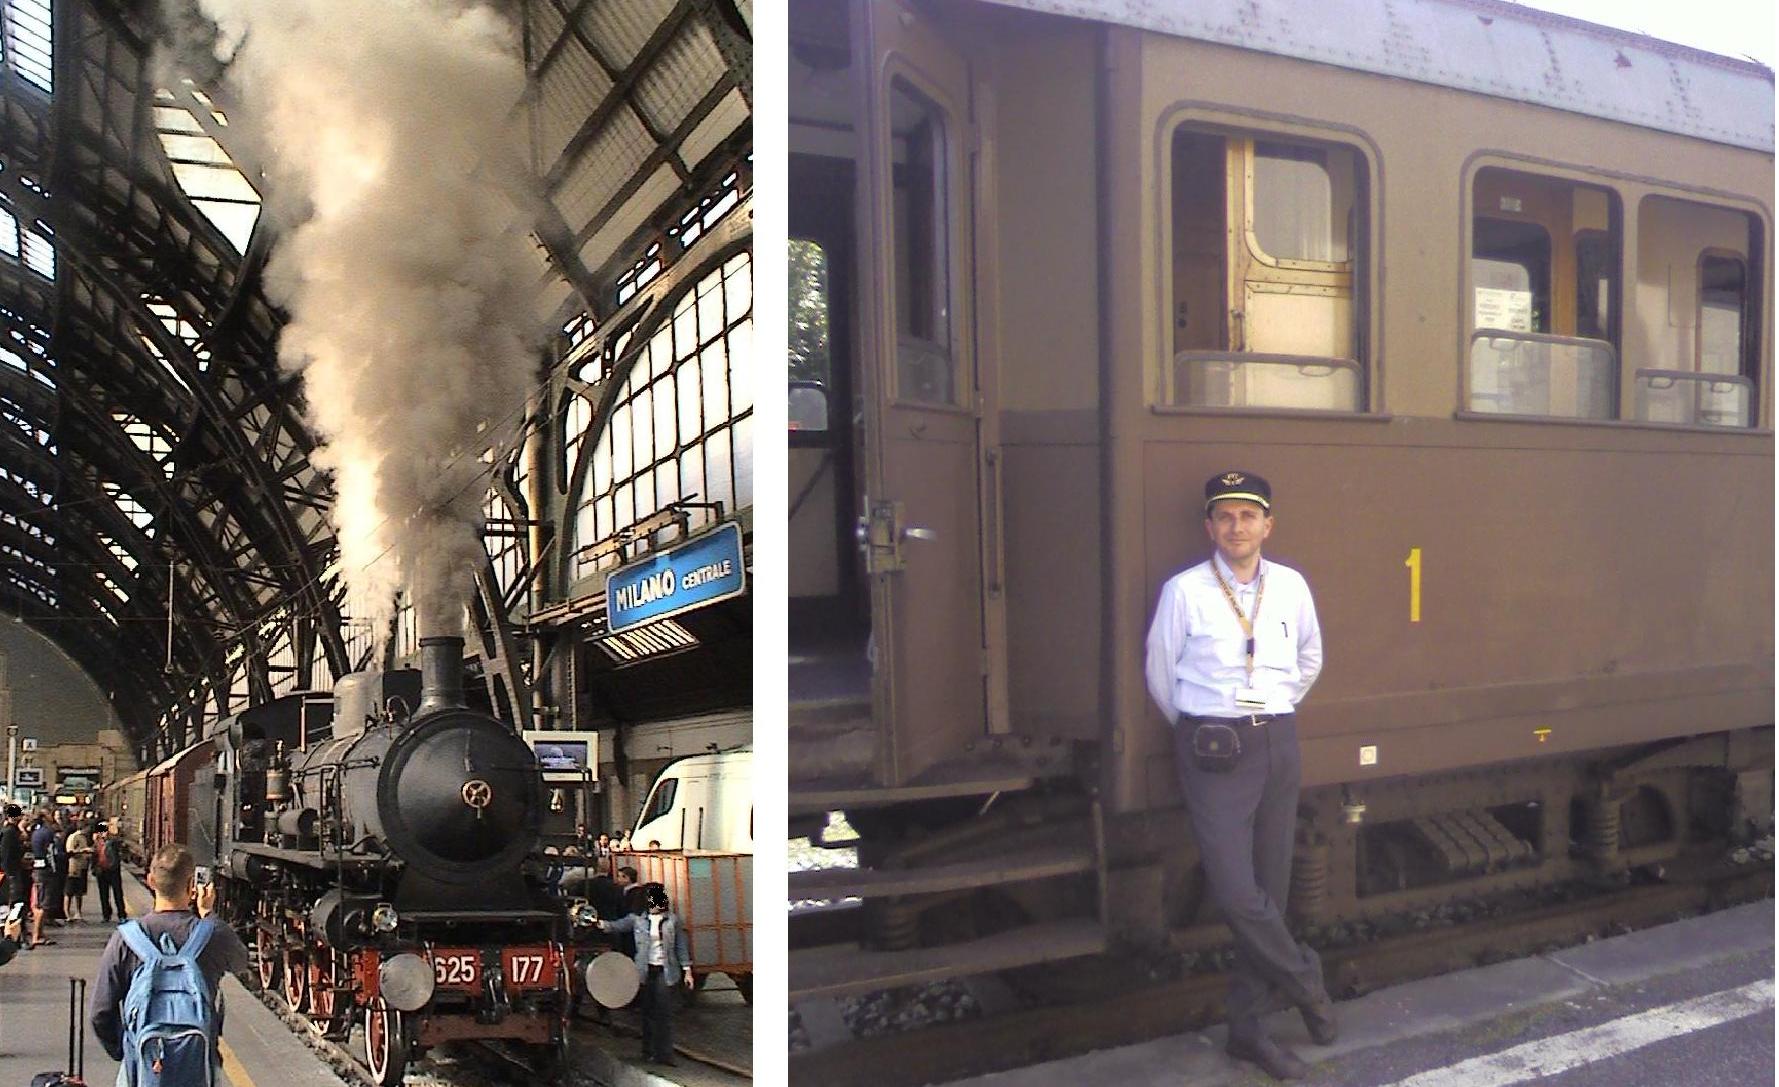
657,949
1197,656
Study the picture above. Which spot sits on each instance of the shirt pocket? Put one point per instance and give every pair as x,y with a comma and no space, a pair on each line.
1275,644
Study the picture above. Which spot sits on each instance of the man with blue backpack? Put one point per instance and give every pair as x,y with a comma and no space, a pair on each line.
156,1004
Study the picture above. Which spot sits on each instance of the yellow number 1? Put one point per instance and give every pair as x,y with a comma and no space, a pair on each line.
1414,584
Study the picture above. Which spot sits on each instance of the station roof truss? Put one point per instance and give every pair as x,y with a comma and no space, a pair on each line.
160,517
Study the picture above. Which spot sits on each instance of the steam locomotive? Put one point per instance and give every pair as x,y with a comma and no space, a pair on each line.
372,847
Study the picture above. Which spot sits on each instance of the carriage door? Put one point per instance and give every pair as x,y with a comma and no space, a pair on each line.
927,482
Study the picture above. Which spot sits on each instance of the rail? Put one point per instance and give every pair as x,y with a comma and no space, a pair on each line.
1107,1012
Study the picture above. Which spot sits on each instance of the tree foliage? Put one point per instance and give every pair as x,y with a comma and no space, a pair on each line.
808,306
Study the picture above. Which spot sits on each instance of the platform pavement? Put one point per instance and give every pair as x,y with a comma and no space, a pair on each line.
1533,1013
720,1024
257,1049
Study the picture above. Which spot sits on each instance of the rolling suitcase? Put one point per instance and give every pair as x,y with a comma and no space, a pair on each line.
76,1055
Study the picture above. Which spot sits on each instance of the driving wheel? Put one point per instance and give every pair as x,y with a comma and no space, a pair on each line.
385,1044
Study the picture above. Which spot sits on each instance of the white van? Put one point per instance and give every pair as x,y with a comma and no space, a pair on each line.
701,802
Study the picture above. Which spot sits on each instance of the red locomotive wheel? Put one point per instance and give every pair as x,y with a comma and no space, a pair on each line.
322,991
268,960
296,981
385,1044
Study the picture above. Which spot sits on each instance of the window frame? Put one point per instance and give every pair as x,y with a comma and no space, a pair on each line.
1468,332
1710,252
1631,190
959,258
1367,260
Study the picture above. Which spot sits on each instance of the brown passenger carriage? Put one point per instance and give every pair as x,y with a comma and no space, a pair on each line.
1484,293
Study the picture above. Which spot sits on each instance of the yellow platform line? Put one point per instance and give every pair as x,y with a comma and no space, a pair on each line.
231,1066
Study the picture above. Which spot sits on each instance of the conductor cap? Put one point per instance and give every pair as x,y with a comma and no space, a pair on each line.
1245,486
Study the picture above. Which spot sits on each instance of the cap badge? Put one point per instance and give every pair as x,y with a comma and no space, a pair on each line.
1234,479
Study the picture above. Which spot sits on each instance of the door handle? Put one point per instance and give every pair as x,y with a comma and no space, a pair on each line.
919,534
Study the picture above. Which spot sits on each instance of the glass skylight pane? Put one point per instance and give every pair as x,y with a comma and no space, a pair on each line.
205,172
28,41
40,254
204,181
234,220
174,119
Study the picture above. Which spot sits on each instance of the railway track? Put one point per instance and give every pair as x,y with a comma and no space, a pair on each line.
1120,1011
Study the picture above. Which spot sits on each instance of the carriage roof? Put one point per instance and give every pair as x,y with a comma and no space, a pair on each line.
1483,46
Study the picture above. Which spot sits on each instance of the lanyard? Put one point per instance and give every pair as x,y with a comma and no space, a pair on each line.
1247,621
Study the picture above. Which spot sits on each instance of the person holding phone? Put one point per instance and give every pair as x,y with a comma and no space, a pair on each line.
172,876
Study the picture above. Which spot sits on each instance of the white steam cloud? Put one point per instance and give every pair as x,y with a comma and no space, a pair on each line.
393,165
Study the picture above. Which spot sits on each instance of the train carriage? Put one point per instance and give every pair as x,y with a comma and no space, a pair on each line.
123,804
1484,292
177,803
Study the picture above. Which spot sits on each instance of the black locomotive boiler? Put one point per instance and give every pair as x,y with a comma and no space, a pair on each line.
375,855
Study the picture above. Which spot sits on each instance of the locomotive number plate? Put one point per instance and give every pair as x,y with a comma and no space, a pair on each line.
456,967
528,967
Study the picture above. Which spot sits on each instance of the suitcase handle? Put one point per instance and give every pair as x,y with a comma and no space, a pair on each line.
76,1001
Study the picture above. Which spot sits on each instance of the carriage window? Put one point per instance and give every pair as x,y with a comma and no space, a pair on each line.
807,284
1299,213
1698,313
1539,346
1596,261
662,802
925,368
1722,308
1267,256
1511,265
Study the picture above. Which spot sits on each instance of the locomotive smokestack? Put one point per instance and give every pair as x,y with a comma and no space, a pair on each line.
441,674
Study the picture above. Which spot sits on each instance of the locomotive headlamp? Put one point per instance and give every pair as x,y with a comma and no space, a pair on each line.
384,919
406,981
584,915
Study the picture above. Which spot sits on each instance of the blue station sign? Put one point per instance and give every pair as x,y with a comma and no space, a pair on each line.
691,575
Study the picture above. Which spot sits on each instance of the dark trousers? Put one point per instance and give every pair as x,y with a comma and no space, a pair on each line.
657,1016
49,897
1245,822
111,889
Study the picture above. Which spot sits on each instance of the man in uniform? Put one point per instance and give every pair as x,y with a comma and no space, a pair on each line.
1233,648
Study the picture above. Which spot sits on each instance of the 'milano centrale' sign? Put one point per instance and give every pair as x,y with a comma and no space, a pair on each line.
694,574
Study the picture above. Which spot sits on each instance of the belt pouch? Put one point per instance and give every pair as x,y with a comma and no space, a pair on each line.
1215,746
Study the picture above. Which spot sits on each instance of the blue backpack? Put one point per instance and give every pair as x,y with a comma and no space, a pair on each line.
169,1013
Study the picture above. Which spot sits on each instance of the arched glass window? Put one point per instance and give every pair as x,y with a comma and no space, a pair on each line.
680,426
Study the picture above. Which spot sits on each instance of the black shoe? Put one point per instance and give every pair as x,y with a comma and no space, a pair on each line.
1274,1059
1319,1019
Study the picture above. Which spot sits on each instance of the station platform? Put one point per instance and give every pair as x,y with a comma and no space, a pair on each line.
260,1050
713,1043
1687,1004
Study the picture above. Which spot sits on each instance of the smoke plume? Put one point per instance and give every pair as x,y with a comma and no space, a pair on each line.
394,172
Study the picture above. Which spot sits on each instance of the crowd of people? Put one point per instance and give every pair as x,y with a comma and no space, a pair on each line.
48,858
